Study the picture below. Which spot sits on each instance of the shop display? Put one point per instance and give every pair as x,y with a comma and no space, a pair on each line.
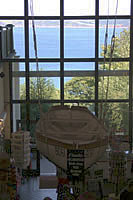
20,147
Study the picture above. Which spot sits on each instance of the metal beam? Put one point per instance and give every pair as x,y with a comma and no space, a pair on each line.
76,73
131,80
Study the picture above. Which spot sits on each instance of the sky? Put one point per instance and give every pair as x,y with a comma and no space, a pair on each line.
72,7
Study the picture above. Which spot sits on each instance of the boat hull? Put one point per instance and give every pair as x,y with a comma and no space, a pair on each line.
59,155
72,138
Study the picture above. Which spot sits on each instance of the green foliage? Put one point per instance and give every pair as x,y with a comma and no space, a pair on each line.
118,86
83,88
122,46
39,89
115,114
80,88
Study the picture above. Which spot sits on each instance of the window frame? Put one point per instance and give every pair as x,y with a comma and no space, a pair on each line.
27,60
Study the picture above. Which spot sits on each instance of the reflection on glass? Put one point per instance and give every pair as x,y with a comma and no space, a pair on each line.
11,8
45,66
45,8
79,39
48,39
79,8
79,88
79,66
122,41
123,8
45,88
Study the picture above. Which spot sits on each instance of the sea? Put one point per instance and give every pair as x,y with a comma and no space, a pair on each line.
78,43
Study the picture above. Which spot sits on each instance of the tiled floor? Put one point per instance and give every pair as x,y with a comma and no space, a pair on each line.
30,190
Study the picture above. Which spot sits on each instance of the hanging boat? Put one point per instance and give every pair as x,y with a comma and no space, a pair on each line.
72,138
20,147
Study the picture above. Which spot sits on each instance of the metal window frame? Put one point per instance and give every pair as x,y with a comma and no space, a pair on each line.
62,60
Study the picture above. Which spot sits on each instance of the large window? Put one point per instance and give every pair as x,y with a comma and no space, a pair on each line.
73,66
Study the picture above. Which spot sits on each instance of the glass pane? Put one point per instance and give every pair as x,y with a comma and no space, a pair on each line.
18,66
13,41
48,87
113,87
18,88
123,8
16,116
35,110
117,68
79,88
116,117
45,8
45,66
79,39
122,40
11,8
79,66
90,106
48,39
79,8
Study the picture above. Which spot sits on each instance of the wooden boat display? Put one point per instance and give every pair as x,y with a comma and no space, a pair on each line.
72,138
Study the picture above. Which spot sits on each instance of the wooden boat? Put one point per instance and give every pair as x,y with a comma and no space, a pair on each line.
72,138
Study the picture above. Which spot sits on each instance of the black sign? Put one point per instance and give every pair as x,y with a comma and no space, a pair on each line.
75,162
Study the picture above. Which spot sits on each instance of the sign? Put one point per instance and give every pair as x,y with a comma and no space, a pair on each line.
75,162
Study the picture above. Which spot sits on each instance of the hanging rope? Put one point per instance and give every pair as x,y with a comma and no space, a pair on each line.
105,53
110,61
36,54
112,49
103,112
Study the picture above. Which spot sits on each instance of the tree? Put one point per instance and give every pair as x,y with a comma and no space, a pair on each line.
39,89
80,88
115,114
117,86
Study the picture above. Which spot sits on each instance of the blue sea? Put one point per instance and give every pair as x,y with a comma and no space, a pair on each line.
78,43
